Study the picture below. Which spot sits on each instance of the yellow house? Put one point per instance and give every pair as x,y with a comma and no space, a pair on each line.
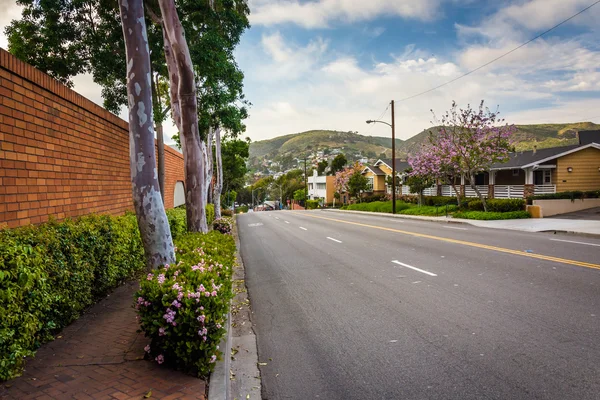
378,174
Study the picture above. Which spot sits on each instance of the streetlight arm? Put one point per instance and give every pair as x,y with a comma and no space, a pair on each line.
372,121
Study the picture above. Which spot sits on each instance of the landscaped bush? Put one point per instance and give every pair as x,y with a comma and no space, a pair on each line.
241,209
312,204
210,214
429,211
377,206
498,205
50,273
373,197
177,221
592,194
439,200
226,213
481,215
223,225
183,307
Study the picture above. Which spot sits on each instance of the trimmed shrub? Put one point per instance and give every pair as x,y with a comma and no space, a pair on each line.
481,215
498,205
377,206
429,211
312,204
574,195
177,221
374,197
210,214
223,225
50,273
226,213
183,307
241,209
439,200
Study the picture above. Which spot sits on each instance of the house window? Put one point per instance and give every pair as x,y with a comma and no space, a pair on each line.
369,184
515,172
320,186
547,177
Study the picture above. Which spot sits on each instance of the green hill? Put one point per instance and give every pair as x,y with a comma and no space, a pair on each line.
283,150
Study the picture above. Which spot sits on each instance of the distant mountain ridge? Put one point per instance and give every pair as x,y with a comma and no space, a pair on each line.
283,149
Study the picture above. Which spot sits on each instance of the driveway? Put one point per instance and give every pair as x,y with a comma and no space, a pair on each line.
589,214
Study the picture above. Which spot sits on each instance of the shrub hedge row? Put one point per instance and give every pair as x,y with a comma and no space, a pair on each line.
574,195
481,215
51,272
312,204
498,205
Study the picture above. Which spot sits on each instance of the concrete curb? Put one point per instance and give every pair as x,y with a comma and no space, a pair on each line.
475,223
218,386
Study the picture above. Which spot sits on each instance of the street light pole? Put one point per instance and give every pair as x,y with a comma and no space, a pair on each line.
393,126
393,161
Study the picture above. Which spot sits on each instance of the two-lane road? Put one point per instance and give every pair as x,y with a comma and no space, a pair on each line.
353,306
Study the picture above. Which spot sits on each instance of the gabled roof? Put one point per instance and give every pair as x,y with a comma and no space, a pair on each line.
587,137
400,165
374,170
525,159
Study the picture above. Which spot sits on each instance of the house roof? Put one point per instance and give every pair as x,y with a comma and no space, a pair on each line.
522,158
400,165
374,170
587,137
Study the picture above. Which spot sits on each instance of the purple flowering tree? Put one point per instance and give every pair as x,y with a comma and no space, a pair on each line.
469,142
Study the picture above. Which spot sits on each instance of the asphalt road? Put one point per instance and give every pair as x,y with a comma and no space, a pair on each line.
352,306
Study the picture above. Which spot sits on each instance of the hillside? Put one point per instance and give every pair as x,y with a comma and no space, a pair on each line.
283,150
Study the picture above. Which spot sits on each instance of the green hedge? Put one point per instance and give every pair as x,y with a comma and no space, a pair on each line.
481,215
183,307
51,272
429,211
312,204
376,206
498,205
439,200
574,195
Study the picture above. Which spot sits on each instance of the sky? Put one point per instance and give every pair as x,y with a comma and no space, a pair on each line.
332,64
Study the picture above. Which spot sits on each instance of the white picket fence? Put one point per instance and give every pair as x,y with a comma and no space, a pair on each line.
448,190
470,192
432,191
508,191
544,189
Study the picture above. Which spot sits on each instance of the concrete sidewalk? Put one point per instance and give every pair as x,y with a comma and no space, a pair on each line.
100,356
573,226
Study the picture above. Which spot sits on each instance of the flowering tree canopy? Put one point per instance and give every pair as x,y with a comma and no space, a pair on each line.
342,177
470,141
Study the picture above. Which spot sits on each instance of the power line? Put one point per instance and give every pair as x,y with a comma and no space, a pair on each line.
381,116
499,57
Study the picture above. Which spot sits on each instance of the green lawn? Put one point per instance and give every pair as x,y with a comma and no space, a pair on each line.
432,211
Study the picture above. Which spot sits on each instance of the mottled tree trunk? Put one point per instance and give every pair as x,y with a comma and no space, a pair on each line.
218,174
479,194
209,165
160,145
188,125
149,207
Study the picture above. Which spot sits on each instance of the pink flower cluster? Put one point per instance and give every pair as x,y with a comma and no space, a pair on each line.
170,317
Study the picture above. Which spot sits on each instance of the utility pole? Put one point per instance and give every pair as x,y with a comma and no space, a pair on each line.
393,161
305,183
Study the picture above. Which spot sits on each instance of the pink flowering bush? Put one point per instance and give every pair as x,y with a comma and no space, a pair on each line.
182,308
223,225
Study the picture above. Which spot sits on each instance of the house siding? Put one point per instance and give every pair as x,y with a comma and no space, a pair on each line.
585,175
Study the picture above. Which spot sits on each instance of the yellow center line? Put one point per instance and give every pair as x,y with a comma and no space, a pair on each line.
465,243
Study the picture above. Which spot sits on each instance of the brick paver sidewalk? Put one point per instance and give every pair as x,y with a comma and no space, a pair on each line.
100,356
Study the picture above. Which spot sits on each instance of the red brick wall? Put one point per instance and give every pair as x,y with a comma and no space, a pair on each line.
60,153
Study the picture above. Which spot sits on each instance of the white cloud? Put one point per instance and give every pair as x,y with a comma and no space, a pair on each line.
320,13
10,11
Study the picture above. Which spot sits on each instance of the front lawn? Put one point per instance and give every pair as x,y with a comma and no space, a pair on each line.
452,210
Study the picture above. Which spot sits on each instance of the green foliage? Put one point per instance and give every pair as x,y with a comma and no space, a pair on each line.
497,205
50,273
226,213
234,154
241,209
177,221
210,214
312,204
593,194
377,206
338,163
300,194
357,183
321,166
430,211
182,307
482,215
372,197
223,225
438,200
